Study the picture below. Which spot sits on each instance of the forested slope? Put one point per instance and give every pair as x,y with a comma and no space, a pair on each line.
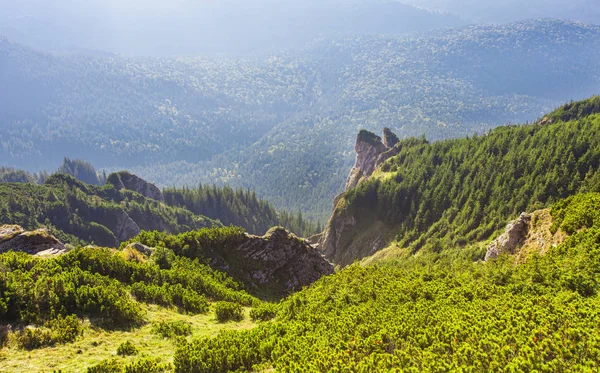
288,117
448,193
83,213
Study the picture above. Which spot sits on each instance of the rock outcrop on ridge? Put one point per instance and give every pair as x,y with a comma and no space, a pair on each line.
371,152
342,241
281,260
126,180
38,242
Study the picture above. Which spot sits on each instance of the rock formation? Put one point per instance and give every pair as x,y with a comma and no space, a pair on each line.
371,152
515,233
280,259
125,180
38,242
141,248
125,227
340,242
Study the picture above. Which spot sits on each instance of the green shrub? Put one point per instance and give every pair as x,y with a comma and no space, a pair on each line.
148,365
226,311
127,348
263,312
106,366
65,329
170,329
59,330
31,338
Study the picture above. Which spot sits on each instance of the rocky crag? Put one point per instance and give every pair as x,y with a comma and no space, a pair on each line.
275,264
39,242
343,241
126,180
371,151
527,234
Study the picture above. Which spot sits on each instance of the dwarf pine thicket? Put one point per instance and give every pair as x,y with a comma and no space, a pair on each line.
434,312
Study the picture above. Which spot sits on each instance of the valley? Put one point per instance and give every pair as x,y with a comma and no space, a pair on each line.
299,186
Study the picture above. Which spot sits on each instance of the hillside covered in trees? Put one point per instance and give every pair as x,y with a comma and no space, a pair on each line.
289,117
432,196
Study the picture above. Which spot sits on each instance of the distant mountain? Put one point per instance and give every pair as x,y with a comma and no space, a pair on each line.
515,10
284,125
181,27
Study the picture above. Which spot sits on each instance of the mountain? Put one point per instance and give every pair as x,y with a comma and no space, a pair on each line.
431,196
81,213
442,85
513,10
284,125
181,27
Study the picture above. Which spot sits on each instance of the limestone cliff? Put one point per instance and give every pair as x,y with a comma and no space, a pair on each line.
125,227
369,148
125,180
38,242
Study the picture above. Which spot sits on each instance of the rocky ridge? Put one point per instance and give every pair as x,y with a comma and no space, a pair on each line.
39,242
126,180
526,234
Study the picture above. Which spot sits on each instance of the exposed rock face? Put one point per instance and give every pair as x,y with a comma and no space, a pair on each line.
340,242
280,259
126,228
14,238
143,249
389,138
371,152
125,180
515,233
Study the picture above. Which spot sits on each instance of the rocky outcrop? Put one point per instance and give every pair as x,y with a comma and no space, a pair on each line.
125,227
341,241
38,242
280,260
514,235
125,180
371,152
141,248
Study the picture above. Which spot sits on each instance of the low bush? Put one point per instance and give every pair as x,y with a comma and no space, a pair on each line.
226,311
148,365
59,330
263,312
170,329
127,348
106,366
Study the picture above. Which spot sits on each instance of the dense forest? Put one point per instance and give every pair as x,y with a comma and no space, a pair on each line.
238,207
283,125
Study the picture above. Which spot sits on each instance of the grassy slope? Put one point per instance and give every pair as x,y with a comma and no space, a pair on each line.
98,344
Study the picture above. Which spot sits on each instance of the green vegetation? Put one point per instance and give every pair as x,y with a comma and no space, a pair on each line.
98,283
226,311
77,212
127,348
433,312
172,329
238,207
284,125
450,193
